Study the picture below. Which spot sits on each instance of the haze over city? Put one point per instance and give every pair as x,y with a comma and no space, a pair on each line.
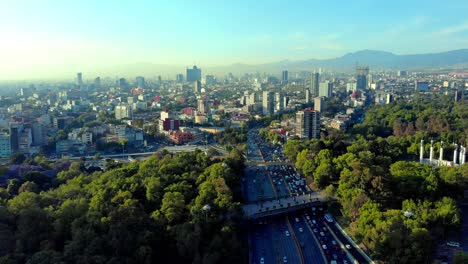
48,39
232,132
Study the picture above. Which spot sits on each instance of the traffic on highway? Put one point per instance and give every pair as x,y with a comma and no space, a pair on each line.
302,236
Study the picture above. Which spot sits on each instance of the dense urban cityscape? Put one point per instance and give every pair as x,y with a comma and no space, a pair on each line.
258,132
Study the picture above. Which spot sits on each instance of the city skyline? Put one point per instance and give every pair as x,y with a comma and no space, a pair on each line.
54,36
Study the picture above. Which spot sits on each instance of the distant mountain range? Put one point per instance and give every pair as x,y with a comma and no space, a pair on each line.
375,59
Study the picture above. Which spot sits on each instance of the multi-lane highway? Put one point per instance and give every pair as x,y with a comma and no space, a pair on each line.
297,232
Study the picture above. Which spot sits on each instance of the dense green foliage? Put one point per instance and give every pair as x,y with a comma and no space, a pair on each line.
372,178
179,209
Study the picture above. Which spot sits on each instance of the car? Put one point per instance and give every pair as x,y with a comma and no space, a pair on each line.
315,230
348,246
335,256
334,242
322,234
285,259
307,217
286,233
297,220
262,260
453,244
314,222
345,261
324,246
301,230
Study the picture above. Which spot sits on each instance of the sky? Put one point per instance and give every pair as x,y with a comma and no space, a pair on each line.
45,36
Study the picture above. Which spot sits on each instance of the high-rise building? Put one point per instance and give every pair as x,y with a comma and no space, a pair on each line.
210,79
203,106
279,102
5,145
79,79
361,77
252,99
307,96
123,111
15,129
268,103
197,87
194,74
180,78
319,105
284,76
97,83
326,89
140,81
308,124
314,84
39,134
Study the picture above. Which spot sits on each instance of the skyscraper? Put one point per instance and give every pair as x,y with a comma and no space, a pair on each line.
285,77
326,89
197,87
307,96
279,102
308,124
140,82
361,77
319,104
180,78
203,106
314,84
193,74
79,79
97,83
268,103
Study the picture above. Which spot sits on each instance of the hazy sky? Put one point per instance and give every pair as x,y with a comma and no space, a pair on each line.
51,35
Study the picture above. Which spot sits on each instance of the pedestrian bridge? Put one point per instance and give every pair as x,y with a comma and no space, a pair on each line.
283,205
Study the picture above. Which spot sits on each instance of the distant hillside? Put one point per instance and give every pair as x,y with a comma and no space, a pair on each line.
373,58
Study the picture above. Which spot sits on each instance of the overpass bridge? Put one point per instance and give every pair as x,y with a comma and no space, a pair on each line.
282,205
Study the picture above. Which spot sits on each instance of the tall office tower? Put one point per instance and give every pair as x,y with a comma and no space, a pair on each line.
285,77
79,79
15,129
159,79
308,124
140,81
193,74
123,111
210,79
307,96
197,87
39,134
326,89
279,102
97,83
389,98
319,105
314,84
5,145
268,103
361,77
252,99
203,106
180,78
123,84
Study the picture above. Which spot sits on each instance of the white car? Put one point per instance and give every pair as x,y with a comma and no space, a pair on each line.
297,220
301,230
334,242
348,246
287,233
262,260
285,259
322,234
307,217
324,246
